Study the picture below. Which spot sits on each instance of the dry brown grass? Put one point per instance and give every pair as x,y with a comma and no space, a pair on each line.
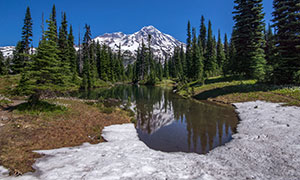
23,133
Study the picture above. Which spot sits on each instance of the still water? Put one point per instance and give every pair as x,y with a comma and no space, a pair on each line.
169,123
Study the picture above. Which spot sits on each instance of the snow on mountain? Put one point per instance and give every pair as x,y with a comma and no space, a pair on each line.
162,44
7,51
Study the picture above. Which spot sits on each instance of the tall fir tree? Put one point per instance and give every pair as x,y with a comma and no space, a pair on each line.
248,38
220,54
286,20
227,56
202,35
210,63
64,48
22,50
188,51
27,32
44,73
53,19
197,58
86,71
72,55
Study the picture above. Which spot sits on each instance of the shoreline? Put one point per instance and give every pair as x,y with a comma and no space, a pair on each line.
266,146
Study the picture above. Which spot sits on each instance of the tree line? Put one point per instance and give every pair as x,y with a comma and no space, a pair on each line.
269,54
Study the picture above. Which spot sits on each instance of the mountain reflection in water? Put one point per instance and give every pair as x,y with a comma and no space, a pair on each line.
169,123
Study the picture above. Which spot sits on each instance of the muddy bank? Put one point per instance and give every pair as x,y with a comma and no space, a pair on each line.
267,146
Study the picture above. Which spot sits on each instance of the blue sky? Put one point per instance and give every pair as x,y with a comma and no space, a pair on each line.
128,16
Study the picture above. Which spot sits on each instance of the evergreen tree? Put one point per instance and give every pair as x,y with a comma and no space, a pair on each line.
220,53
270,45
210,63
183,62
188,51
286,20
27,32
44,72
22,50
64,48
87,82
18,58
197,59
227,56
248,38
202,35
53,19
72,54
104,63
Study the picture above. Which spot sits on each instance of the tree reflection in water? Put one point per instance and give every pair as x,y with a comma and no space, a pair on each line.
170,123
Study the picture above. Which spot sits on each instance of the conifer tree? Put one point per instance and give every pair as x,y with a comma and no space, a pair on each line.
188,51
27,32
22,50
72,55
210,64
202,35
44,72
248,38
286,20
64,48
197,59
227,56
220,53
18,58
270,45
53,19
86,71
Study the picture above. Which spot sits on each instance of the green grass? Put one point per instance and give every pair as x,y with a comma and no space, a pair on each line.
231,89
42,107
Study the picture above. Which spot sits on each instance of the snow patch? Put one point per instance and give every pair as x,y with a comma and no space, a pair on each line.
265,147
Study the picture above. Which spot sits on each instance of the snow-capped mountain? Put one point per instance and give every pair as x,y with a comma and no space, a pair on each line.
7,51
162,44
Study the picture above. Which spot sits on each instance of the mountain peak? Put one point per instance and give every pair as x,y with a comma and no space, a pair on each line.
162,45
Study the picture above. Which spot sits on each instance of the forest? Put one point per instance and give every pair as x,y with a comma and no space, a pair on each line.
267,53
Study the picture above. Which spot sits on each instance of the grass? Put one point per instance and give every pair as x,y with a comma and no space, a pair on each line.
42,107
50,126
166,83
230,90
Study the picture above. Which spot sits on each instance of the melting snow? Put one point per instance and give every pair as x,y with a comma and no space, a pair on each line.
267,146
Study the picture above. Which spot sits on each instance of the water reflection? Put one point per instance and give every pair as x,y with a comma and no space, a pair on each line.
170,123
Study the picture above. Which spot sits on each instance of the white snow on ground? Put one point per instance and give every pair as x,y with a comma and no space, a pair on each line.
267,146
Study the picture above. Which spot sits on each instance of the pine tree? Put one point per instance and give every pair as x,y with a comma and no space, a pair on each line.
44,72
64,48
210,63
227,56
86,71
53,19
197,59
286,20
104,63
188,51
22,50
248,38
27,32
72,55
202,36
270,45
220,53
18,58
